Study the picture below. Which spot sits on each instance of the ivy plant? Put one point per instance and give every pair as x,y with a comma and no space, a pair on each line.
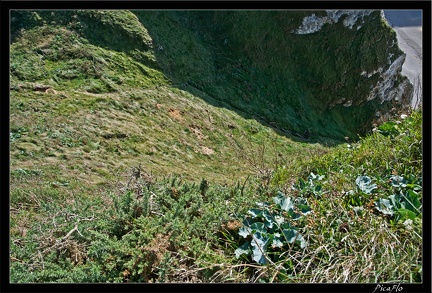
269,227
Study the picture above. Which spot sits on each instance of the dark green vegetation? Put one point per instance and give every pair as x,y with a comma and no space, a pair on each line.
144,154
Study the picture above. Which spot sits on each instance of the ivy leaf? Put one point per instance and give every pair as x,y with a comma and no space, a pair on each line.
255,212
258,227
313,177
302,206
278,198
286,226
263,204
279,220
398,181
290,235
244,231
384,206
244,249
301,241
284,202
277,241
268,219
364,183
395,200
294,215
248,221
259,243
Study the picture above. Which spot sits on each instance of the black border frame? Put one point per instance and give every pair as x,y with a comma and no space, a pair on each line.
423,5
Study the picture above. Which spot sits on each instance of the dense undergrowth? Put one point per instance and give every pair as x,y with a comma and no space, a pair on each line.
123,172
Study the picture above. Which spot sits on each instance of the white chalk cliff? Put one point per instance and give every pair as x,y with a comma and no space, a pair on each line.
389,87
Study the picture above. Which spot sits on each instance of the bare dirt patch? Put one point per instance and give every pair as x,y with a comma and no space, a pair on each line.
195,129
176,114
202,149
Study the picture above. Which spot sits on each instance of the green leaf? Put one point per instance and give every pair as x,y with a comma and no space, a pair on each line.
398,181
258,227
255,212
259,243
277,241
243,249
284,202
364,183
414,186
244,231
384,206
388,128
412,201
403,214
290,235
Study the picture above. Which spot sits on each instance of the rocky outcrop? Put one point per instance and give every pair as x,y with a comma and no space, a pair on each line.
389,87
312,24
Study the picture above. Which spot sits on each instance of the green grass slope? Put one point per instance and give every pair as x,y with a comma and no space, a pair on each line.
72,102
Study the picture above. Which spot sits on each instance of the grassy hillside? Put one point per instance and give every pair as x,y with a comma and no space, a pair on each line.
72,101
139,155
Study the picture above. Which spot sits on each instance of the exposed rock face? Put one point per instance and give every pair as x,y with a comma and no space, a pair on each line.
387,88
312,24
